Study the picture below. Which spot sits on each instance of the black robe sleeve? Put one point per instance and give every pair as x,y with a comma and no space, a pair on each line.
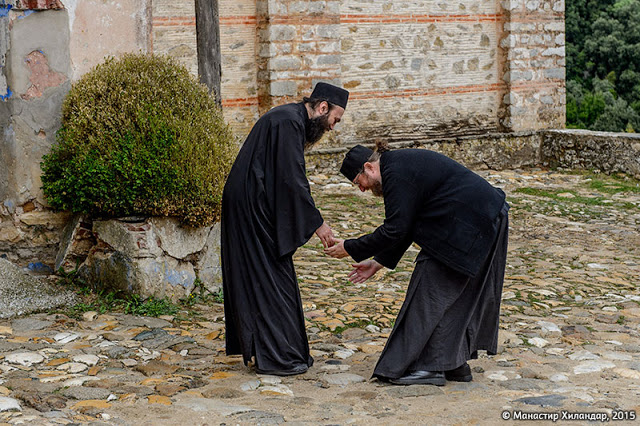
391,256
389,241
297,217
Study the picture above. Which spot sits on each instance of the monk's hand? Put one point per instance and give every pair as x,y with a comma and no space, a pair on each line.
325,234
363,271
337,249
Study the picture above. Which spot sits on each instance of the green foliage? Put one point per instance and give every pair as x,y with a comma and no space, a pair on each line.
603,65
140,136
103,302
107,301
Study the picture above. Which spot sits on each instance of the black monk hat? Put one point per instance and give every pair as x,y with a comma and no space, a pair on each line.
354,161
331,93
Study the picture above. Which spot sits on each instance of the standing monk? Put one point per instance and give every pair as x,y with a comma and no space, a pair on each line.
267,213
460,221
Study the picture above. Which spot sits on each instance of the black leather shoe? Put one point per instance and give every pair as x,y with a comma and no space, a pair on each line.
421,378
460,374
298,369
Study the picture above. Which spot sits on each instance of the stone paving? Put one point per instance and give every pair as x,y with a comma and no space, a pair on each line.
569,339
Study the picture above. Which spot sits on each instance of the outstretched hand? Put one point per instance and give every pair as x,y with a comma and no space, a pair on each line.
363,271
336,249
326,235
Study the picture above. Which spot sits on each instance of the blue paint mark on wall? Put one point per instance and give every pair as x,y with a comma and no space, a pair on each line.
4,10
27,13
8,95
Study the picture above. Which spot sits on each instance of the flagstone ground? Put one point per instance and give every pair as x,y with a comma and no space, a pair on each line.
570,332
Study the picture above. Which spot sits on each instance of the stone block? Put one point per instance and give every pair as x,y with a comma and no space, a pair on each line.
558,73
283,88
285,63
554,51
509,41
209,266
329,59
511,4
317,7
554,26
133,239
44,217
159,277
164,277
9,233
558,6
329,31
299,7
282,32
77,239
547,100
177,240
533,5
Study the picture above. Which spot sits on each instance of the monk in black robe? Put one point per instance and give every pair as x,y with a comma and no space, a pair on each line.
460,221
267,213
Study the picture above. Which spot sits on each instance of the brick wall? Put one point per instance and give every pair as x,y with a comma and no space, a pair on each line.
416,69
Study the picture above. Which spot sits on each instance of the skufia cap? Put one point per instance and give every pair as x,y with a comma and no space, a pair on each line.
331,93
354,161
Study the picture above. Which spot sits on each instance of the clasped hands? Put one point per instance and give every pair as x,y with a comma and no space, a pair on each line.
334,247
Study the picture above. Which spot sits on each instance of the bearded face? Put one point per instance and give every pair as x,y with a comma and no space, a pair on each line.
316,127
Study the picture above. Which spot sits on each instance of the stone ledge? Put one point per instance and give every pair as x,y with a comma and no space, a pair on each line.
146,256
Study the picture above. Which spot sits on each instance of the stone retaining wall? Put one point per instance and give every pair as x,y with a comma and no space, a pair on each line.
582,149
570,149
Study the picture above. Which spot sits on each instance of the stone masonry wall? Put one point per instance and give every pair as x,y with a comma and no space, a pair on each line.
533,42
416,69
583,149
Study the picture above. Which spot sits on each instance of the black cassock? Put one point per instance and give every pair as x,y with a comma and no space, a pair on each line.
267,213
460,221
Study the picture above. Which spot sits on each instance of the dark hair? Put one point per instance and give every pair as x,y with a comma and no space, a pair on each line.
381,146
314,102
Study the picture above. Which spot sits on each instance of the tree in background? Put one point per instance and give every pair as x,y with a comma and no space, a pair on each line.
603,65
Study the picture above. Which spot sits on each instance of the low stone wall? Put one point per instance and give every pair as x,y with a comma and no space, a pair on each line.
146,256
582,149
493,151
570,149
30,234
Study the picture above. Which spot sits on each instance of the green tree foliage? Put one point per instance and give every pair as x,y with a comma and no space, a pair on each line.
140,136
603,64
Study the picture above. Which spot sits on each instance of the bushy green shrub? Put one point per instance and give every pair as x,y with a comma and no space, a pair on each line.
140,136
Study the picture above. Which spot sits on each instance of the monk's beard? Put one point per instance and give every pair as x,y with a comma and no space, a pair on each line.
376,189
315,128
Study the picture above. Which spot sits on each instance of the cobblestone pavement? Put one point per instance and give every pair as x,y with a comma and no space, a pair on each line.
570,333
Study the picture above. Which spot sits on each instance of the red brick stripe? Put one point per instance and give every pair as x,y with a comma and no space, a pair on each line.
473,88
452,90
239,102
169,21
334,19
418,19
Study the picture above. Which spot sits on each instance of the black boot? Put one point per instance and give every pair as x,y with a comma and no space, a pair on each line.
460,374
421,378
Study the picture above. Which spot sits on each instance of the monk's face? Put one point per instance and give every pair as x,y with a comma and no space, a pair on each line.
323,119
370,179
